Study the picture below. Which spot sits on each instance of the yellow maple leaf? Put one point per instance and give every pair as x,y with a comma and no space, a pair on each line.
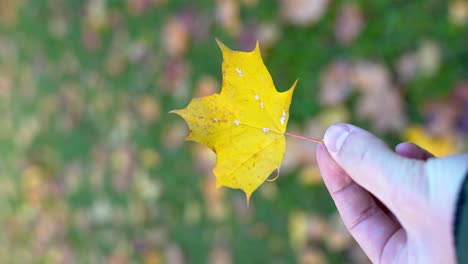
244,124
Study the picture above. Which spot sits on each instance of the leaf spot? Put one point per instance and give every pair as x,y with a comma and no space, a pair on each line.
265,129
239,71
237,122
215,120
262,105
283,118
257,97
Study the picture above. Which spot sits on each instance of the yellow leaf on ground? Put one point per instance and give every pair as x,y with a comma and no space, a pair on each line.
244,124
439,146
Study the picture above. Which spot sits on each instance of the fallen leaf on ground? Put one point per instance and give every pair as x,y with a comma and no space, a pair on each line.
303,12
228,16
335,83
348,24
439,146
458,12
244,124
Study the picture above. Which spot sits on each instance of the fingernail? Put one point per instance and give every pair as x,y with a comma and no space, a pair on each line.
335,137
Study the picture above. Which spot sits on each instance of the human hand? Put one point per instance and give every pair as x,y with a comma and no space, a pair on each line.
398,206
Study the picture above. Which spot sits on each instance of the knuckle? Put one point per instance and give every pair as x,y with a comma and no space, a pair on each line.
364,215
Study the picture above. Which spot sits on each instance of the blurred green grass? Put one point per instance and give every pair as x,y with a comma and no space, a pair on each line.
70,128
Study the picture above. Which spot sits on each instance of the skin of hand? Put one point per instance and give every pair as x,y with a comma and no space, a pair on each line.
399,206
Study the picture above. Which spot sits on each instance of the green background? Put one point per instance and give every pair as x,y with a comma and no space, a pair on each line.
75,181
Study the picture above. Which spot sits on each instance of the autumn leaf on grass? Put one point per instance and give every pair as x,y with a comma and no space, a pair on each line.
244,124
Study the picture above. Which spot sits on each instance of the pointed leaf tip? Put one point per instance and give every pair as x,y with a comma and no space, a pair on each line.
176,111
223,47
291,89
257,47
247,196
295,83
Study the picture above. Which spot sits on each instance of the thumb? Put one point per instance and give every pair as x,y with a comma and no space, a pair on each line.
371,164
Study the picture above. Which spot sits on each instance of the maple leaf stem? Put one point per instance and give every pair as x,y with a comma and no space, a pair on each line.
303,137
